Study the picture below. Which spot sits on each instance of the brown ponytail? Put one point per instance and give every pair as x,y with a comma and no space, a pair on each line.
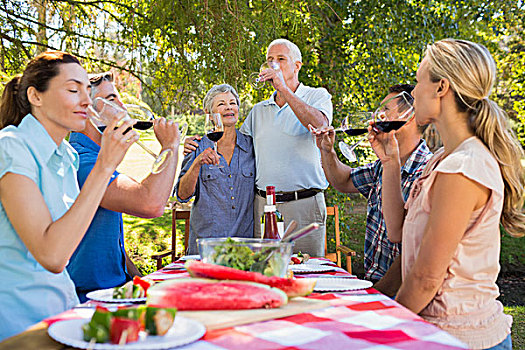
14,105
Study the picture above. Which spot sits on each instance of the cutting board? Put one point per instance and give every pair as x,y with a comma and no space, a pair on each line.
217,319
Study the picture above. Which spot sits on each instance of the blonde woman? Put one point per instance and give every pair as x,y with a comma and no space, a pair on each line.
450,233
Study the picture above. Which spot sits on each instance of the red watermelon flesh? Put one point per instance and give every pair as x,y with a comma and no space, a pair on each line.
206,294
292,287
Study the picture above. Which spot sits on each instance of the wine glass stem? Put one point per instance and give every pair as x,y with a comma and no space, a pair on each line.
145,148
357,143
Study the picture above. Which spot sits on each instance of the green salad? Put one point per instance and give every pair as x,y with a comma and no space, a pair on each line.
241,257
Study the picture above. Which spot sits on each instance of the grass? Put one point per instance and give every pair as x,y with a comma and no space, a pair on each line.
518,325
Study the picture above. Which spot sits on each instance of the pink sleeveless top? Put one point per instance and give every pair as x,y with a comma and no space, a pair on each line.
465,305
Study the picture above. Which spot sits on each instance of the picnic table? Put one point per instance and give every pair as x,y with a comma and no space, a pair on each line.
359,319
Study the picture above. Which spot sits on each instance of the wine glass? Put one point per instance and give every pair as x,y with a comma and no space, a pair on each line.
254,78
395,112
353,125
214,130
145,117
103,112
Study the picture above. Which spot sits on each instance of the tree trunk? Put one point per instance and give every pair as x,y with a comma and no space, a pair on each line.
41,35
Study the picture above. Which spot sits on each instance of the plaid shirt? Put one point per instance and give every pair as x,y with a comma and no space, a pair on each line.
379,251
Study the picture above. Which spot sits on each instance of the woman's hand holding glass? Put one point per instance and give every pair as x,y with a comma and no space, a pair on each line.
214,129
115,143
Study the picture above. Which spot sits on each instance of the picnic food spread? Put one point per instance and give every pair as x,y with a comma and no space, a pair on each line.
124,324
137,288
240,255
292,287
300,258
208,294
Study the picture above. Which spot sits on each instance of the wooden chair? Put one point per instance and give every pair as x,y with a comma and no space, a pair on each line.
176,214
336,256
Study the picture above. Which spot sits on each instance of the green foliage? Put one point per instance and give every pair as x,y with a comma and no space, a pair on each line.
177,51
145,237
518,325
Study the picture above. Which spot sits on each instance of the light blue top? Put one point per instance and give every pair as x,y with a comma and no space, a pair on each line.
223,204
286,155
28,292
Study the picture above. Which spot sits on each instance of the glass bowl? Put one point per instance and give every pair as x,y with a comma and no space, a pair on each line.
267,256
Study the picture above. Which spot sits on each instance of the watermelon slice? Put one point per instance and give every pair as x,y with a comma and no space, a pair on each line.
292,287
206,294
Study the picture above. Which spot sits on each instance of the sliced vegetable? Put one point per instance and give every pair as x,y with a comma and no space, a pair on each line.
143,283
99,325
159,320
124,330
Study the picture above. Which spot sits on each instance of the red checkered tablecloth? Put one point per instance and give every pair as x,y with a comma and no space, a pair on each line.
363,319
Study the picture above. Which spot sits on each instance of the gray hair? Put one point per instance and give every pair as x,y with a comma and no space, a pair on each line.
295,53
214,91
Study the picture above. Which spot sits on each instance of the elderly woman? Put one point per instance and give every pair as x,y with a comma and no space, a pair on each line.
223,204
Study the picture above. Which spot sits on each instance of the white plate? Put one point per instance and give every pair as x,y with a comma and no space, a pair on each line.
183,331
190,257
336,284
310,268
106,295
316,261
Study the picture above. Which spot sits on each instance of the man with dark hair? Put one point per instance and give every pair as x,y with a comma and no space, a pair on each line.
379,252
100,261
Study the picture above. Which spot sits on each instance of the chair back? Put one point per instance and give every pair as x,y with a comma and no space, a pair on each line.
335,256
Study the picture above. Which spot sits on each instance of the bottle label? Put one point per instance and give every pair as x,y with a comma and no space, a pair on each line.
280,228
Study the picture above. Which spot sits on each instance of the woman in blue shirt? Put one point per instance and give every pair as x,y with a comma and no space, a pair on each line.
43,216
223,204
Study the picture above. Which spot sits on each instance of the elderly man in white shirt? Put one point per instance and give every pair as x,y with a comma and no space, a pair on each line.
285,153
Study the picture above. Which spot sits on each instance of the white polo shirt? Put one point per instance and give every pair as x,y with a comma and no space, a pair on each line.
286,155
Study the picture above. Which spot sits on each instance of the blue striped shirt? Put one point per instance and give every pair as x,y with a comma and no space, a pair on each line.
379,251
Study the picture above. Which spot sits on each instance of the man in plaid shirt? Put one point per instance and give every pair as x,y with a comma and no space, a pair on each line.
379,252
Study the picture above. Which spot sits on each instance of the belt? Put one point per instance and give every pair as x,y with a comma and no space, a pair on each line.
291,196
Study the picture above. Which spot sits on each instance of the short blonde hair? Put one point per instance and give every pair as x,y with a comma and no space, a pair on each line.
295,53
471,72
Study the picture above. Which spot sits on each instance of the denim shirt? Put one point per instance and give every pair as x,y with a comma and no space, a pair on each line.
29,292
223,205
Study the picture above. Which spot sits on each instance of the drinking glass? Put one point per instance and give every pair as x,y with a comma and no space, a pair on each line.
254,78
353,125
103,112
393,113
214,130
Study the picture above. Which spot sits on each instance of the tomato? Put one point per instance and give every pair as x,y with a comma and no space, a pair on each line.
119,326
140,282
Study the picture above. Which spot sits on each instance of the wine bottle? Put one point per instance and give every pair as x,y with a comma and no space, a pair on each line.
271,215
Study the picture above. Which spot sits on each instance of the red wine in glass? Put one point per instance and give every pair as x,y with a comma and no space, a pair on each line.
387,126
355,131
143,124
215,136
140,125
